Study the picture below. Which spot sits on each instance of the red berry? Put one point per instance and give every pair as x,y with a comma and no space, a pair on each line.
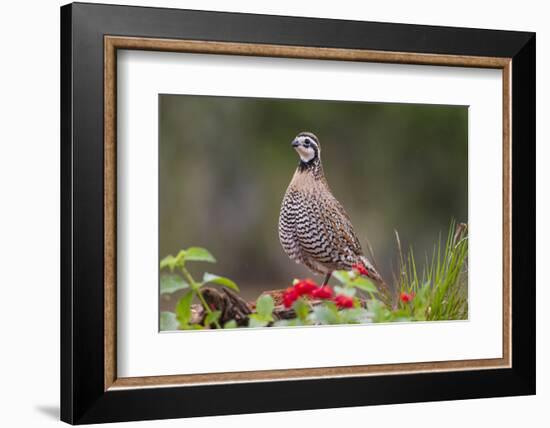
406,297
343,301
289,297
305,287
322,292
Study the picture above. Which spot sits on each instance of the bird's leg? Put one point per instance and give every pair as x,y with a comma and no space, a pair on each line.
327,278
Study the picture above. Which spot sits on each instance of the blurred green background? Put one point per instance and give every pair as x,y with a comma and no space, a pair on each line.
225,163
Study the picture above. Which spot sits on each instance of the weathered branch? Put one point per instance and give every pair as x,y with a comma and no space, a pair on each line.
234,307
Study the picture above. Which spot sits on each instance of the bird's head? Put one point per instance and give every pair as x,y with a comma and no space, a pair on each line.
308,147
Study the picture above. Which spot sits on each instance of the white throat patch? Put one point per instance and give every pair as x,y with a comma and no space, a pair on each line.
306,153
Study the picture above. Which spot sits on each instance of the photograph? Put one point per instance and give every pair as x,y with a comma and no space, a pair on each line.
288,212
294,212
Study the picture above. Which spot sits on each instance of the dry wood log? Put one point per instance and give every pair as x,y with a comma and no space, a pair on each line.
231,306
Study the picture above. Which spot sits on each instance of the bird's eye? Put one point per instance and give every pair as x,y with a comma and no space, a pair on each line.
307,143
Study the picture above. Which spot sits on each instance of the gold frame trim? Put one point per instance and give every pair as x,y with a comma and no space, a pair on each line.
113,43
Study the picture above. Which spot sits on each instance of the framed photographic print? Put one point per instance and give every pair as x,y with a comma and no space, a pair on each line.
291,213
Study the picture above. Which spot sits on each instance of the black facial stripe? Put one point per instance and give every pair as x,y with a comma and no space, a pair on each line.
308,141
309,136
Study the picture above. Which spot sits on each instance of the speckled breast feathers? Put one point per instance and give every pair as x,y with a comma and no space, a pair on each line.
314,228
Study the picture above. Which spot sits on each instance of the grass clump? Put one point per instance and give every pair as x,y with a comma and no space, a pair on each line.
440,290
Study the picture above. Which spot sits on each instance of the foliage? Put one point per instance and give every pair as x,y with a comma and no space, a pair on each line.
440,290
264,311
169,283
437,292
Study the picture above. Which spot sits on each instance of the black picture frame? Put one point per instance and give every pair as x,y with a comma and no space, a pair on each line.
83,398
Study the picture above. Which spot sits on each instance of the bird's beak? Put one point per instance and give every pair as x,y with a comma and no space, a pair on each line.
295,143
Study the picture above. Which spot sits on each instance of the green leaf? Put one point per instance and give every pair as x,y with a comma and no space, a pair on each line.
355,315
180,258
265,306
379,311
402,319
302,309
168,321
343,276
294,322
191,327
230,324
364,284
172,262
297,322
327,313
220,280
172,283
254,321
212,317
282,323
169,262
346,291
198,254
183,309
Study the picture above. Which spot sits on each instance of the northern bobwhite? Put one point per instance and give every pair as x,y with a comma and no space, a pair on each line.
314,228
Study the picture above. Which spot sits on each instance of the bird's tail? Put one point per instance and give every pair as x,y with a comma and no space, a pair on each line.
372,273
381,285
